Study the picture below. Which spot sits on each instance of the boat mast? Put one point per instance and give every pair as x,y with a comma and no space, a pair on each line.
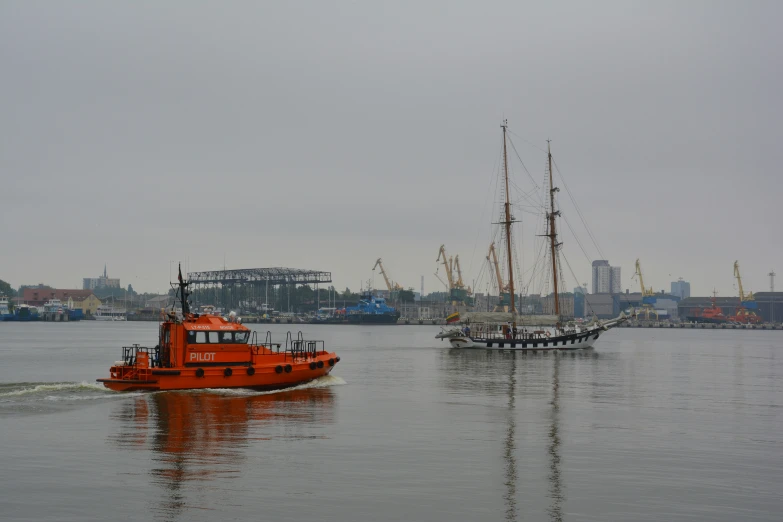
504,125
552,231
183,292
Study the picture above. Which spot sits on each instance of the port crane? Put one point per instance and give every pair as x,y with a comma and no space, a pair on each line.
492,257
745,299
457,290
743,314
648,295
503,290
448,264
460,284
393,287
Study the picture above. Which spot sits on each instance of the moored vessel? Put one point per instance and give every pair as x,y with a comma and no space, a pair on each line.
22,312
106,312
4,310
710,315
371,310
208,351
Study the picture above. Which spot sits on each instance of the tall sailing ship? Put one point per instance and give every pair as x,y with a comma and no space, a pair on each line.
511,331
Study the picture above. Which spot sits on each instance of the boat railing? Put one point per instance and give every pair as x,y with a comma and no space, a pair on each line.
301,348
491,331
296,347
129,354
267,347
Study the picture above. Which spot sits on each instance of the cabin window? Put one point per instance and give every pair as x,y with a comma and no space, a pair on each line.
213,337
191,337
226,337
201,337
241,337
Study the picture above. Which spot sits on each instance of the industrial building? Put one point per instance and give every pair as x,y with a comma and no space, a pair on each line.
770,306
566,305
599,305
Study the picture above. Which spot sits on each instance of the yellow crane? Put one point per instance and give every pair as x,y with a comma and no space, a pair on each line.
647,293
503,290
448,264
742,295
393,287
492,257
460,284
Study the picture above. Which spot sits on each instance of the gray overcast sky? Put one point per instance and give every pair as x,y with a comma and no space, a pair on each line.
326,134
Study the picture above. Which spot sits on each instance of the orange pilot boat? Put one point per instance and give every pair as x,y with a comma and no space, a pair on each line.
208,351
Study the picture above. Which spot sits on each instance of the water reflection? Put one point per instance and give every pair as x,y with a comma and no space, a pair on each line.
508,374
201,436
510,445
555,481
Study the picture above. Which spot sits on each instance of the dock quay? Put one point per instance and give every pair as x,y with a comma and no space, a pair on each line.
53,317
702,326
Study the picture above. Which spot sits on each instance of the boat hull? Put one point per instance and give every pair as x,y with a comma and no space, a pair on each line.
576,341
263,378
707,320
373,318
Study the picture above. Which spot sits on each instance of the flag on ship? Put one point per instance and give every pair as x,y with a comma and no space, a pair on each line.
453,318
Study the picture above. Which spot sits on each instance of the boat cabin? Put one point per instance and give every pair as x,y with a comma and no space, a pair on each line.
204,340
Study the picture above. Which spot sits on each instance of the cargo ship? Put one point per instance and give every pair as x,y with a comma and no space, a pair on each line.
371,310
196,351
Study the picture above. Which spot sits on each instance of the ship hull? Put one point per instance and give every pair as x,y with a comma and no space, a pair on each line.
577,341
22,318
373,318
190,378
707,320
535,340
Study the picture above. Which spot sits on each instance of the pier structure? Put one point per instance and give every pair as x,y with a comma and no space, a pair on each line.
255,289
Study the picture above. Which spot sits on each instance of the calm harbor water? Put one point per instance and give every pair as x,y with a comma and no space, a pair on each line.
650,425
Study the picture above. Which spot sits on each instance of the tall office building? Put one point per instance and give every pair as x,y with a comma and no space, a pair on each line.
614,277
681,289
606,278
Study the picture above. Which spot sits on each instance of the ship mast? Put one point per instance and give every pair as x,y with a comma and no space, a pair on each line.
552,231
504,125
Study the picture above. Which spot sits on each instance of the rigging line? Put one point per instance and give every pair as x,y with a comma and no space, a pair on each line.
536,263
578,210
513,147
527,141
587,302
573,233
491,190
528,196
